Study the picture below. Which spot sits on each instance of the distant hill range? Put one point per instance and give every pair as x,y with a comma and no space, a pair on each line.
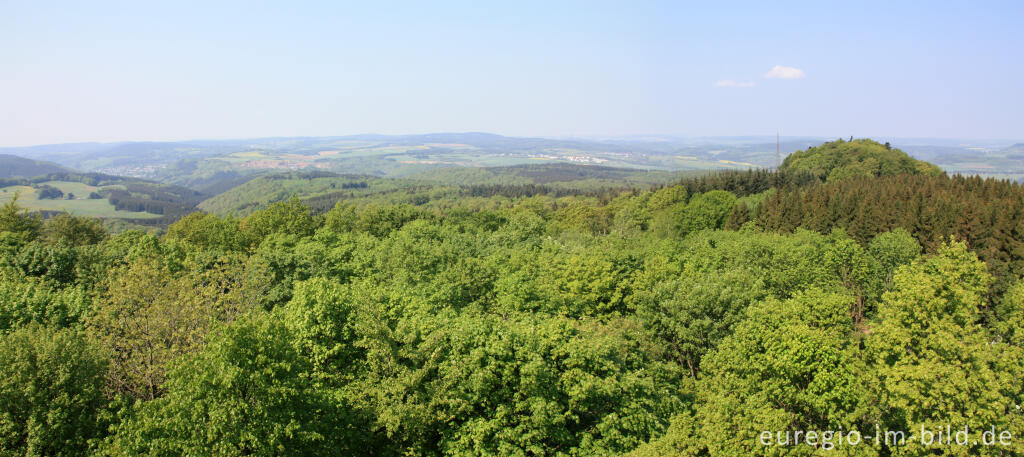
215,166
155,183
19,167
204,165
1015,149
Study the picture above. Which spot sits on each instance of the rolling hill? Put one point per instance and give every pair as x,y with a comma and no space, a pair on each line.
12,166
558,173
842,159
1017,148
104,196
204,165
321,190
213,166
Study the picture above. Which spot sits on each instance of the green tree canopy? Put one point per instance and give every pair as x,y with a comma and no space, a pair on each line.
843,159
16,220
709,210
72,230
52,398
289,216
209,231
934,364
247,393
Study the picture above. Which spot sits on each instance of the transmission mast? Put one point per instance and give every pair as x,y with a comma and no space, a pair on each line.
777,163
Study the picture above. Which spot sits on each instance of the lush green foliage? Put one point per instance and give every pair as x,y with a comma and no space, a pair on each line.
247,393
983,212
684,320
51,392
16,225
842,159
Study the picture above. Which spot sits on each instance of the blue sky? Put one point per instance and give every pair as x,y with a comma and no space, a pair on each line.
107,71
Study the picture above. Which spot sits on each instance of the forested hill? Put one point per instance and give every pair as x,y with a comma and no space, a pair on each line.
12,166
260,192
452,185
861,157
570,175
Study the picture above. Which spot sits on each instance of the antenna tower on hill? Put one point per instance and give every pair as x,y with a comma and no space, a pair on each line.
777,163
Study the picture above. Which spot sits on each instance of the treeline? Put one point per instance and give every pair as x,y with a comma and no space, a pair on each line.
307,175
126,201
91,179
567,172
531,190
48,192
749,182
171,202
167,193
411,194
988,214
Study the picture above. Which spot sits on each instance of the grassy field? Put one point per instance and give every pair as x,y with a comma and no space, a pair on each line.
81,190
80,206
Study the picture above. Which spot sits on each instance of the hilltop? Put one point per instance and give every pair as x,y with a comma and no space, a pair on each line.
862,157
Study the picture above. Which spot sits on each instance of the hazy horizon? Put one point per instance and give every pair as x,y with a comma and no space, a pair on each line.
651,137
108,72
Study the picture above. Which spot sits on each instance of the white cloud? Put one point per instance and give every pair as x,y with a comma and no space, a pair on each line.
782,72
733,83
